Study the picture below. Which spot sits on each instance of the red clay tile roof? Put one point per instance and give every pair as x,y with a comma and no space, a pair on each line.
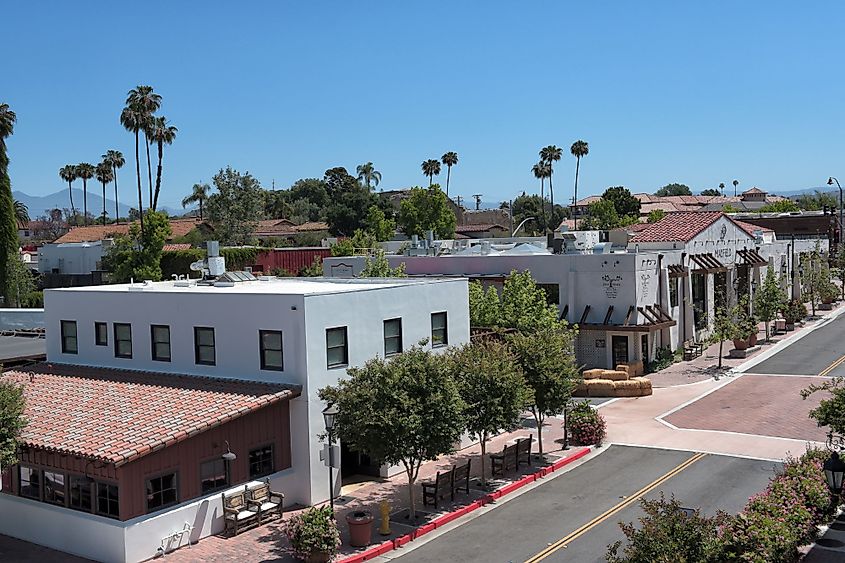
92,233
678,226
749,228
179,246
754,191
477,228
118,416
286,227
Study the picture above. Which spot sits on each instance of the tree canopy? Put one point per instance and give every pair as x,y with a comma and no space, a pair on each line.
656,215
817,201
427,209
523,305
624,203
379,267
237,206
769,299
782,206
711,191
12,421
138,256
674,189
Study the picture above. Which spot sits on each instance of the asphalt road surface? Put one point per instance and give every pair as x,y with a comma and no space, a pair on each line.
575,516
817,353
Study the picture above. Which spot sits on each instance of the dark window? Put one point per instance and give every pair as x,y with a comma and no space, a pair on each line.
54,488
337,347
161,492
160,342
673,292
392,337
108,502
261,462
270,344
30,483
69,342
204,345
213,475
439,330
79,493
101,334
552,291
122,340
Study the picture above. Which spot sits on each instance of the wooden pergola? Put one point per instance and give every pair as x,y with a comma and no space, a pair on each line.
654,315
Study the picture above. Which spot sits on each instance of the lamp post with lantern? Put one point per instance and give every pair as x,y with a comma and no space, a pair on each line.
834,467
329,416
830,182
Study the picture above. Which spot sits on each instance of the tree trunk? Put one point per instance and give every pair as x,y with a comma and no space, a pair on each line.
538,418
413,505
158,175
200,210
116,207
149,169
551,194
104,203
72,208
543,203
430,180
721,342
575,196
448,176
85,201
140,193
483,456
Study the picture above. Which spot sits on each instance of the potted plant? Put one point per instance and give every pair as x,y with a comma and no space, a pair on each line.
751,330
828,294
313,535
793,312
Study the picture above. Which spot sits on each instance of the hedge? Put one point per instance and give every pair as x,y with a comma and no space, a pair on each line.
179,261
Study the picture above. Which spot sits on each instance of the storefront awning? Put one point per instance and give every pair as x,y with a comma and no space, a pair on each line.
751,257
707,263
677,271
652,317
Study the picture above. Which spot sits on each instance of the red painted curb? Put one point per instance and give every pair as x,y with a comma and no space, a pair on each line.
423,530
401,540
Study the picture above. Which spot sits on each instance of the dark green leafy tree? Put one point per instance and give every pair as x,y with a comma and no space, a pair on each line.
769,299
547,359
524,305
138,255
602,215
21,283
403,411
161,133
85,172
68,174
817,201
837,264
236,208
8,224
673,189
116,160
485,308
711,191
656,215
431,168
199,195
579,149
368,175
831,409
550,155
449,160
427,209
313,190
379,225
782,206
493,390
349,212
378,267
104,175
12,421
626,205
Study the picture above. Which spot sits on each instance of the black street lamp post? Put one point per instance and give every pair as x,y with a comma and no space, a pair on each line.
329,415
830,182
834,467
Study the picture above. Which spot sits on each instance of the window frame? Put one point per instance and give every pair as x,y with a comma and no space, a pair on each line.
65,337
197,346
105,334
226,478
445,329
345,347
385,337
38,472
63,491
160,476
96,499
262,350
153,351
81,481
117,340
249,463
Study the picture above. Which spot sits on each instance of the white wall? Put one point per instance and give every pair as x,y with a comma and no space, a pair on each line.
12,319
70,258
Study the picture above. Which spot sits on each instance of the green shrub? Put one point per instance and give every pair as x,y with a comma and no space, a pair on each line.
662,360
313,531
586,425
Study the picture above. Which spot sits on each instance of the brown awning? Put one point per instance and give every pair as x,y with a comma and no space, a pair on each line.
707,263
751,257
654,316
677,271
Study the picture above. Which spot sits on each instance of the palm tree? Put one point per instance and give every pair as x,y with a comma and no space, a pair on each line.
160,134
369,175
132,119
550,154
104,175
542,171
449,159
115,158
578,149
722,187
735,183
431,168
68,174
147,102
198,195
8,228
21,213
85,171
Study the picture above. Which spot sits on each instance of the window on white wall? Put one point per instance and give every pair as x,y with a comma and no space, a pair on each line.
122,340
392,337
70,344
439,329
337,347
673,292
101,334
204,346
160,335
270,348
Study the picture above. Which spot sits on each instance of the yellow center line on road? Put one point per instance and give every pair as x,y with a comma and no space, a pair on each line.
832,366
561,543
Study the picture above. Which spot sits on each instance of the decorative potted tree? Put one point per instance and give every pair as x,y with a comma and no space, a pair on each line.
793,313
313,535
745,326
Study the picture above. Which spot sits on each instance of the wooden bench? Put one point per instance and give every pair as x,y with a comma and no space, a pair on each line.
266,501
505,461
523,451
460,478
692,350
237,513
440,486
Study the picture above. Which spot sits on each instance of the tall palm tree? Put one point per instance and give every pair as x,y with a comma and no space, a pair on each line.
147,102
132,120
578,149
198,195
369,175
68,174
104,175
161,134
431,168
21,213
551,154
8,226
449,159
722,187
115,158
541,171
735,183
85,172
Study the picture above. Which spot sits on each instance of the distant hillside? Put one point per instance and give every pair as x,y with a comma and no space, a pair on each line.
39,205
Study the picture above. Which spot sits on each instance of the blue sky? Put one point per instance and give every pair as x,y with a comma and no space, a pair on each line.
663,91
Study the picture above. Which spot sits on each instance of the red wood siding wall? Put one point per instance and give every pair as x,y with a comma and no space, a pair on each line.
291,259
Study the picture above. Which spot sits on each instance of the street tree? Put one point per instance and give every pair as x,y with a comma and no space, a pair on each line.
403,411
769,299
673,189
431,168
524,305
427,209
12,421
626,205
485,309
837,262
85,171
379,267
812,278
236,208
116,160
138,254
547,359
379,225
104,174
161,133
602,216
493,390
68,174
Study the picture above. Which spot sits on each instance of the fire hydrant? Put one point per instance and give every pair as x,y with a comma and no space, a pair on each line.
384,508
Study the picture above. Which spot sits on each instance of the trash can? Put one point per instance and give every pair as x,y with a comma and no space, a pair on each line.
360,528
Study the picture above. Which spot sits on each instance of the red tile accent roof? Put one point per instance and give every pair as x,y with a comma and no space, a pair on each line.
678,226
93,233
477,228
179,246
754,191
286,227
118,416
749,228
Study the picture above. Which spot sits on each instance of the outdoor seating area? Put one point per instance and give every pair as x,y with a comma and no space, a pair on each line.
512,456
447,482
250,507
625,381
692,350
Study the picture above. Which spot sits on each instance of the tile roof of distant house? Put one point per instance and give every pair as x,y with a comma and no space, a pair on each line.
477,228
754,190
179,246
93,233
118,416
679,227
749,228
271,227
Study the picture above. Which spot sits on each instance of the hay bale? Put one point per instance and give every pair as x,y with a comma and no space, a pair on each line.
628,392
635,368
599,388
593,373
643,382
628,384
581,390
615,375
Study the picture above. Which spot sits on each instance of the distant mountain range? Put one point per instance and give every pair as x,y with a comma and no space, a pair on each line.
39,205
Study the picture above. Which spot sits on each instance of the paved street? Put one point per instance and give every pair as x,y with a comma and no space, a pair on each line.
816,353
524,527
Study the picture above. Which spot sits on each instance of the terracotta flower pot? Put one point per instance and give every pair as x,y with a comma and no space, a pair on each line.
740,344
752,340
318,557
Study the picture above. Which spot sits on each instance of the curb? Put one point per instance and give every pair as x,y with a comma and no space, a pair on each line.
444,519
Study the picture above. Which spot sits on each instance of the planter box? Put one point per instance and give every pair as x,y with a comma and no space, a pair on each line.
825,307
743,353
